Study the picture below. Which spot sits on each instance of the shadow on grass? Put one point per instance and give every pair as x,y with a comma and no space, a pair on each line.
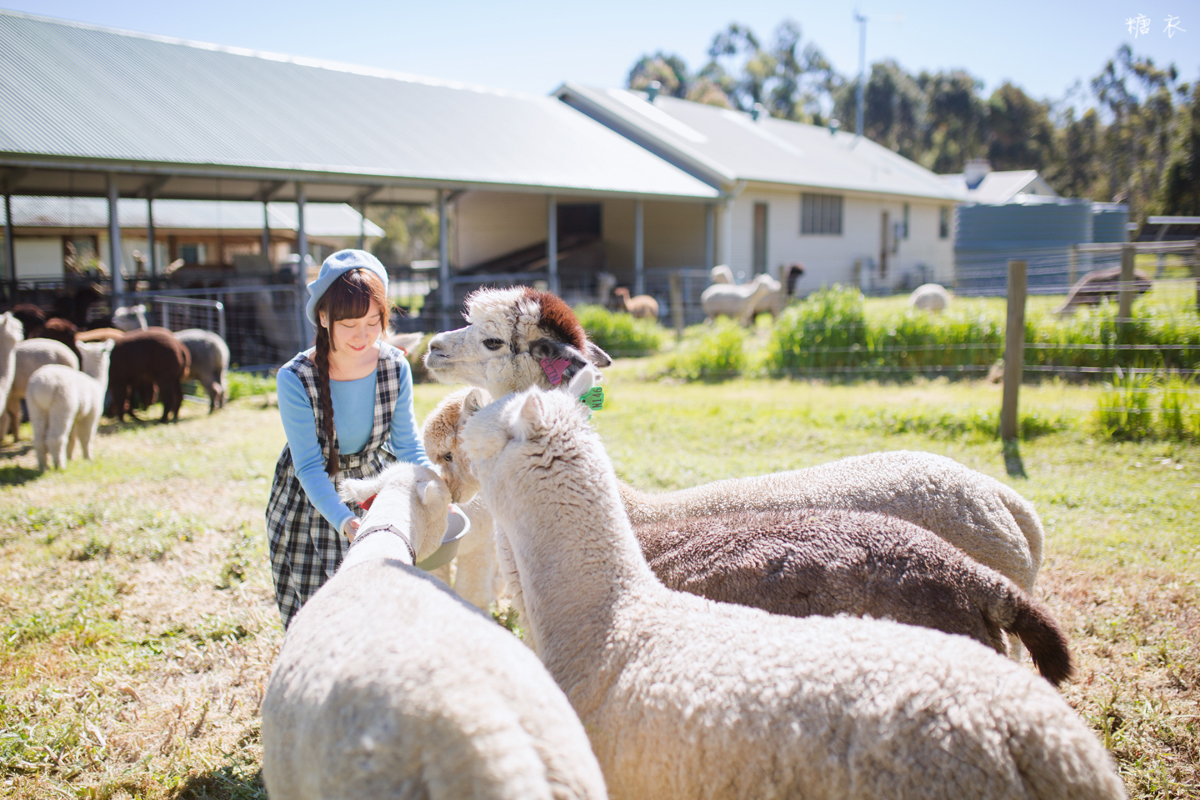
1013,464
224,783
15,476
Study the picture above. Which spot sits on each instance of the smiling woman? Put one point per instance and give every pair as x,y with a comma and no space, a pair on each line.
347,410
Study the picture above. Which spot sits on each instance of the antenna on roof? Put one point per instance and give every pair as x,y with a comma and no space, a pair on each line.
757,111
862,69
652,91
833,126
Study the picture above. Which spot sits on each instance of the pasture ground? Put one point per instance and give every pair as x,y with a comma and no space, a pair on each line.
138,626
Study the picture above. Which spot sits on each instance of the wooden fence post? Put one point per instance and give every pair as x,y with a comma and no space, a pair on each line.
1014,350
1072,265
1125,297
1196,272
676,305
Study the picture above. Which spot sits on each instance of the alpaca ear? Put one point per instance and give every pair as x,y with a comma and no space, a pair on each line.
597,356
357,490
584,380
529,421
547,351
476,399
434,484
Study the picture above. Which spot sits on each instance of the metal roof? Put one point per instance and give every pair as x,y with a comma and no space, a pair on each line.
191,120
320,219
996,187
723,146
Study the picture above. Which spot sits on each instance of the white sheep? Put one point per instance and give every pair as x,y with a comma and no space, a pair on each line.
684,697
930,297
476,574
130,318
209,362
737,302
31,355
12,331
65,405
388,685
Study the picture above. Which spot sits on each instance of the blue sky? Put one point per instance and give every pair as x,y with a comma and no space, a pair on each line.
1044,47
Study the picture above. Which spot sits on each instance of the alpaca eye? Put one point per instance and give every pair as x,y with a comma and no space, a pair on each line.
493,344
449,457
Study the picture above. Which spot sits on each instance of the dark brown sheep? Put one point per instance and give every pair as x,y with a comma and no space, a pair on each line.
827,562
150,357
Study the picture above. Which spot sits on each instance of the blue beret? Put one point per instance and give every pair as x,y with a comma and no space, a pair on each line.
334,267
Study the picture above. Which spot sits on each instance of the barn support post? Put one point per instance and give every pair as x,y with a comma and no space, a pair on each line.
710,236
114,242
552,241
444,287
1014,350
727,234
266,233
10,250
639,248
150,238
304,327
1125,295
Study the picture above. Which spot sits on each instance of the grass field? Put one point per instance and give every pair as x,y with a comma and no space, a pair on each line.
138,627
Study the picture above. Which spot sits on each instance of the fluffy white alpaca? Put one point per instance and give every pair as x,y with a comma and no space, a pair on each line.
388,685
11,334
683,697
31,355
65,404
735,301
930,297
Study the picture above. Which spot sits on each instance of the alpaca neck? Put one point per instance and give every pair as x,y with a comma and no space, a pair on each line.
642,507
391,508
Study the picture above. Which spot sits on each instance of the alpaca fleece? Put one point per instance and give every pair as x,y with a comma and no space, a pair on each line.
150,357
828,562
209,358
30,355
65,405
684,697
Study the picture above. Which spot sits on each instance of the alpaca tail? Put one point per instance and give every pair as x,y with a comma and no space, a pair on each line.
1012,609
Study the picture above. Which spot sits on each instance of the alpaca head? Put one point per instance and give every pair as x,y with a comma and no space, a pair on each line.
516,338
94,357
11,331
130,318
412,497
442,431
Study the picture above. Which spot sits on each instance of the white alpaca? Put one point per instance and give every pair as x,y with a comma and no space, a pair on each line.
476,574
11,334
721,273
683,697
738,302
65,405
209,362
31,355
930,297
130,318
388,685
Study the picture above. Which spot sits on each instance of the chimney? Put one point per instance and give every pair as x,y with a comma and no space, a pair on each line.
652,91
975,170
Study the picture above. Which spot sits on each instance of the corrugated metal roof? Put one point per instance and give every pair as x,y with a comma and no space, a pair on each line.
73,90
726,146
996,187
320,219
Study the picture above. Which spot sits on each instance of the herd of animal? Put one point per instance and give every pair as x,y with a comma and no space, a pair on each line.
853,630
69,378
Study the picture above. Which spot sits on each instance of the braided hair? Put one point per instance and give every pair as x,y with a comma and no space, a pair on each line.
353,295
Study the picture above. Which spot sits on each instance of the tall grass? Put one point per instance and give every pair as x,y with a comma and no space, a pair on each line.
718,354
620,334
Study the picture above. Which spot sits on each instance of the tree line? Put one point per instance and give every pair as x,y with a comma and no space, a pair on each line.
1136,142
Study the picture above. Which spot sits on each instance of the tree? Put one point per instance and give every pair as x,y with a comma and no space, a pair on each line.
1020,133
410,233
1179,192
956,120
670,71
893,108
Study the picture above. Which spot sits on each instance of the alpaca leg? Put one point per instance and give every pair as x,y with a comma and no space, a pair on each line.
85,429
475,577
14,417
40,422
58,431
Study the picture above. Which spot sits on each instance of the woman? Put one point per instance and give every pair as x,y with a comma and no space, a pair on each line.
349,394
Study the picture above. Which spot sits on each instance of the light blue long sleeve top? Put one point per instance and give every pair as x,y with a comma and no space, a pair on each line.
353,417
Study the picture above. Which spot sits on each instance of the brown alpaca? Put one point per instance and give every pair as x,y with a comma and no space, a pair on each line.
642,306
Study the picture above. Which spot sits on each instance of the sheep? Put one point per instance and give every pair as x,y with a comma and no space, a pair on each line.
685,697
1098,285
517,338
930,297
150,357
476,574
30,355
737,301
130,318
827,562
65,405
11,333
642,306
387,685
209,359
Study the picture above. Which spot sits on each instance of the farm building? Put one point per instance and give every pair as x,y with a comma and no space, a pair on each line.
216,134
977,183
846,208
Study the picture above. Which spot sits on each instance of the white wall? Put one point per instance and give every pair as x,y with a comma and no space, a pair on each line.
38,257
490,224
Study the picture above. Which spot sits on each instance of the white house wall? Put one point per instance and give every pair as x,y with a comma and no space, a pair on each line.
38,257
830,259
490,224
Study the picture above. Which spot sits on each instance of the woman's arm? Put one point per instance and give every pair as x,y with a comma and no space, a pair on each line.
405,439
299,423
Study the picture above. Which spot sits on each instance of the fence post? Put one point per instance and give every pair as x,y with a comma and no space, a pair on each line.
1196,272
1072,265
1014,350
1125,297
676,305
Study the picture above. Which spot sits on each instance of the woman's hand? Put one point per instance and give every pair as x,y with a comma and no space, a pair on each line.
352,528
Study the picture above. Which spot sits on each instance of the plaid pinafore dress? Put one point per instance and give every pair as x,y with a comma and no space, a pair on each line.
305,549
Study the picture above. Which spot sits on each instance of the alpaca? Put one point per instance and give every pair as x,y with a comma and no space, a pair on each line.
738,302
208,361
930,297
1099,285
642,306
11,334
688,698
145,358
721,273
387,685
65,405
31,355
130,318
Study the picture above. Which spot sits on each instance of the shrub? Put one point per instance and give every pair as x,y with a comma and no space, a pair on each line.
1124,407
719,354
248,384
824,332
620,334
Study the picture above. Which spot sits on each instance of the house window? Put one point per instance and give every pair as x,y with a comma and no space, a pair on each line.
943,223
192,253
821,214
906,220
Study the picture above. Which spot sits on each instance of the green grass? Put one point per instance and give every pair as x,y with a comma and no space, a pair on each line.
137,620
